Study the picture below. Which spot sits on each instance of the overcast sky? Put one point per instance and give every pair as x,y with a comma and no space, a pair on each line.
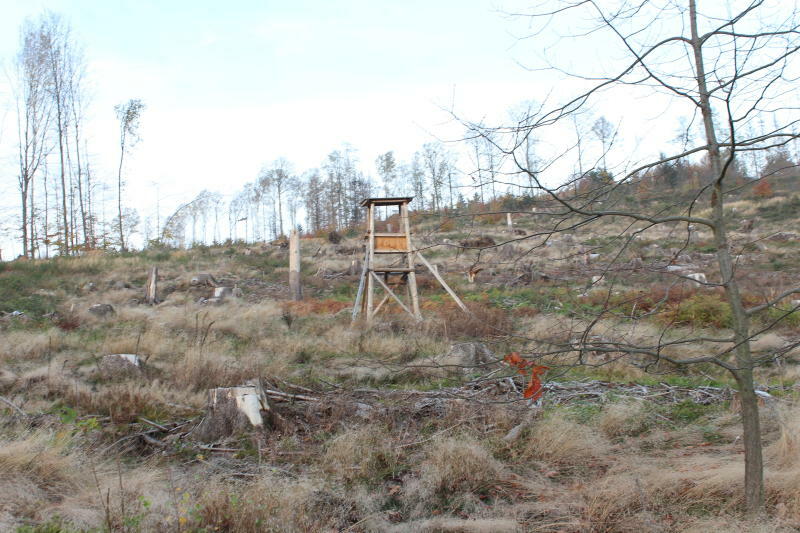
229,87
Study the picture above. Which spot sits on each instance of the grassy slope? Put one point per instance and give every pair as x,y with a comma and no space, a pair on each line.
609,464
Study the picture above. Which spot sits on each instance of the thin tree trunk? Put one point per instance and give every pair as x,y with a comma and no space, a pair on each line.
753,459
33,218
119,191
279,207
84,219
65,219
24,195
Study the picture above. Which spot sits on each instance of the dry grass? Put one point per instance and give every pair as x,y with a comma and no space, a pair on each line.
122,402
22,345
785,451
201,369
561,441
270,504
458,464
632,487
42,474
453,525
623,418
559,475
367,454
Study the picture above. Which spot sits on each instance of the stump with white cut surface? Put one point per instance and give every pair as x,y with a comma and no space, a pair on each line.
232,410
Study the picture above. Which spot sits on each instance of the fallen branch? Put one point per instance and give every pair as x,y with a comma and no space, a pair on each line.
155,442
16,409
151,423
286,396
213,449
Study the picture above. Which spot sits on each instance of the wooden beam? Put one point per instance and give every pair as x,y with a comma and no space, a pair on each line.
412,276
380,304
444,284
392,294
370,260
360,294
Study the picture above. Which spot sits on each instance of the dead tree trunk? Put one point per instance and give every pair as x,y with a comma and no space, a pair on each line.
150,291
294,267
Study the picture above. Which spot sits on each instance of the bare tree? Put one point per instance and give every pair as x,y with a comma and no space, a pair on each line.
604,131
386,165
729,65
313,201
279,177
77,97
33,120
128,114
436,161
63,62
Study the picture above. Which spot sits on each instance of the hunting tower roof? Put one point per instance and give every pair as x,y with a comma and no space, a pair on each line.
386,201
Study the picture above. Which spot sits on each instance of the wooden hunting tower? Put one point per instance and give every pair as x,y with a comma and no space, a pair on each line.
389,261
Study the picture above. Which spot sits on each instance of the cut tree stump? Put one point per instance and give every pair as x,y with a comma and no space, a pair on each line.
102,309
204,279
120,365
468,357
230,410
222,292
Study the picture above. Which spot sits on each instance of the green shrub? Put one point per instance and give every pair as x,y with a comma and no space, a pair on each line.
790,320
702,310
688,411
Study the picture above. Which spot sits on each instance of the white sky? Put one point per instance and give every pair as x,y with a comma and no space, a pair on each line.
232,86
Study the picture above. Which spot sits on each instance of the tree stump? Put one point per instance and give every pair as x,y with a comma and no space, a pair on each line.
222,292
230,410
120,366
203,280
466,358
102,309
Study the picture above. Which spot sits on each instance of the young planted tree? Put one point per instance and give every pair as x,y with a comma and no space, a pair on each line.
128,114
729,64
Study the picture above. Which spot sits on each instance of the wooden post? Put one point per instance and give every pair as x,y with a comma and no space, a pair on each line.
150,290
358,305
294,267
412,276
509,222
370,261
